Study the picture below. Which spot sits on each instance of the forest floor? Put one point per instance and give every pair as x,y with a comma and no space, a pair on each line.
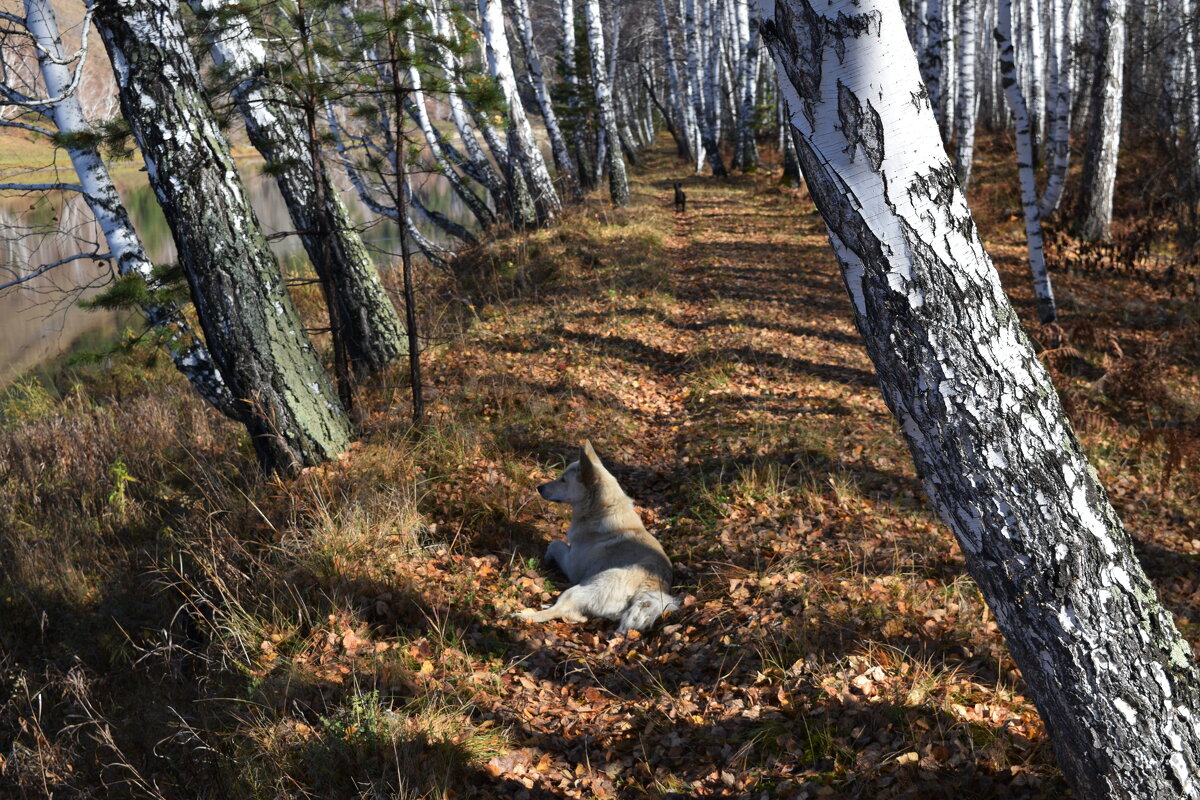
347,634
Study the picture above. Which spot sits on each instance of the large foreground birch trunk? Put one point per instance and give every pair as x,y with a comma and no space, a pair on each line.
253,331
1110,674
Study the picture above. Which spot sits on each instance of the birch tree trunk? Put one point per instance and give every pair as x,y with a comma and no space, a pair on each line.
359,308
1042,290
463,119
695,78
931,56
1110,674
570,57
618,184
712,95
1035,56
747,146
187,351
533,63
685,120
1094,215
1059,140
964,144
433,140
253,331
522,143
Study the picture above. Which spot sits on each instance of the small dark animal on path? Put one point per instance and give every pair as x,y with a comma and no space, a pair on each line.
680,198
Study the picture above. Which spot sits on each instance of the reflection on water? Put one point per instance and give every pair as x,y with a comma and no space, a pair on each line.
40,320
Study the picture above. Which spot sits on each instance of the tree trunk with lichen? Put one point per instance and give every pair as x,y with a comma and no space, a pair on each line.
368,324
253,330
1111,676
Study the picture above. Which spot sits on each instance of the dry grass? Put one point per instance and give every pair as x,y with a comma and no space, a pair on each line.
176,626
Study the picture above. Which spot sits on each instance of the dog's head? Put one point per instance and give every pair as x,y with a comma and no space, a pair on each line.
577,480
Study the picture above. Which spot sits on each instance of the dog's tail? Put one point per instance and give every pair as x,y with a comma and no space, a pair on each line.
646,606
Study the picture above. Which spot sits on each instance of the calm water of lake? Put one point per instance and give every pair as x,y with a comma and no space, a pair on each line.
40,321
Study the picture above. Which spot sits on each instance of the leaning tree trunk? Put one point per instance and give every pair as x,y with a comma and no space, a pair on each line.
366,321
618,184
481,167
188,353
1042,290
522,144
253,331
1110,674
1094,215
533,63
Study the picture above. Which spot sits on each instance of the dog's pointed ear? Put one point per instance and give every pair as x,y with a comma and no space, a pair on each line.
587,463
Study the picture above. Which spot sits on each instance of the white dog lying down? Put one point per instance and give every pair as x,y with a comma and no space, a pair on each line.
619,570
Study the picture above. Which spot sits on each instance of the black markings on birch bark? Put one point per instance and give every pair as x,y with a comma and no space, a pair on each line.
252,328
1108,671
861,125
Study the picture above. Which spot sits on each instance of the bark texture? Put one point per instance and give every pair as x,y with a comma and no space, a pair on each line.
1104,127
533,63
1110,674
253,331
618,184
1026,145
526,157
368,325
188,352
964,142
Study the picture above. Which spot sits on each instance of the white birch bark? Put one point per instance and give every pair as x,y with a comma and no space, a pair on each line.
1058,143
527,154
931,57
695,79
747,146
533,63
712,93
964,144
250,324
685,120
420,113
1042,291
1031,36
187,351
360,310
618,184
570,68
1104,126
1110,674
481,166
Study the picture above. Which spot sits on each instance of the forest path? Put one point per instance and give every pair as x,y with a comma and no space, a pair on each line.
711,359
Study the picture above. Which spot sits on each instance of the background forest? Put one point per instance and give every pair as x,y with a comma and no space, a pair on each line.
363,274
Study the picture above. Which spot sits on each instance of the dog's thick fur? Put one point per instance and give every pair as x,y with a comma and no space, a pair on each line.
620,571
